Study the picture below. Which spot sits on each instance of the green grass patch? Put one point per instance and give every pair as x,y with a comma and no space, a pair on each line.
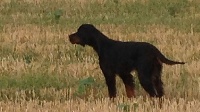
178,14
31,81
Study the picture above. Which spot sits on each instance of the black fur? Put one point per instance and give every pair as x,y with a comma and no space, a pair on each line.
116,57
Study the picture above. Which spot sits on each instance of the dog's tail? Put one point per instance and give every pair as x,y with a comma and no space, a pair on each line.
163,59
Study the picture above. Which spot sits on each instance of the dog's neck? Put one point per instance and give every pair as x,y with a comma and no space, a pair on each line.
98,41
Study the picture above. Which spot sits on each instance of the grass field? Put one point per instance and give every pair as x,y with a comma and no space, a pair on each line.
41,71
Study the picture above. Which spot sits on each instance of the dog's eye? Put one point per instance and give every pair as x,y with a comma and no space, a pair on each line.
81,34
78,34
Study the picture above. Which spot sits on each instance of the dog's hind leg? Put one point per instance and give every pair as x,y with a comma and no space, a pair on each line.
158,84
129,84
145,77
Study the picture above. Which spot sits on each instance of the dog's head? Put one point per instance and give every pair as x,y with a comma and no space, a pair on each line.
83,35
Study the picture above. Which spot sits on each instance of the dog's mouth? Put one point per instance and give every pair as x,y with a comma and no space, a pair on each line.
74,39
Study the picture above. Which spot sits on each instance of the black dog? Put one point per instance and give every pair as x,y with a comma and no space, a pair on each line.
116,57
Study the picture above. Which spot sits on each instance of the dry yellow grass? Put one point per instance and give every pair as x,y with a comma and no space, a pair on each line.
99,105
43,49
180,96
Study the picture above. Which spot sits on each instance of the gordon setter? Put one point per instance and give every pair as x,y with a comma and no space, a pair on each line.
116,57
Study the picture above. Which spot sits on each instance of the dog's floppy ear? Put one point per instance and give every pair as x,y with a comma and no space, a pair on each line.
87,32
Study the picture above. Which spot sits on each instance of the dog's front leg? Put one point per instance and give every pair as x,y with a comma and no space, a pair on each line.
111,84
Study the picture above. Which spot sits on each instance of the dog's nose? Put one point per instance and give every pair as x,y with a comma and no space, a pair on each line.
70,35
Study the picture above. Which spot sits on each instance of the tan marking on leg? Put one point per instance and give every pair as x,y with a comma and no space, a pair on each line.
129,91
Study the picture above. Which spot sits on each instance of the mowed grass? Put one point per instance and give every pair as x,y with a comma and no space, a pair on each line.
41,70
